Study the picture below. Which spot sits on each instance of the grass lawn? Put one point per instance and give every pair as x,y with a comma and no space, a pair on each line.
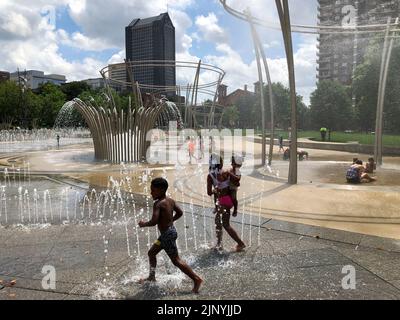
362,138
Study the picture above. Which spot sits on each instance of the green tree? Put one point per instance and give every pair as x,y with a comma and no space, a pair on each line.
10,97
365,86
230,117
34,106
245,109
51,101
74,89
331,106
282,107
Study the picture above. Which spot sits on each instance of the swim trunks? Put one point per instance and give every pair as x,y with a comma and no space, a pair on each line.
167,241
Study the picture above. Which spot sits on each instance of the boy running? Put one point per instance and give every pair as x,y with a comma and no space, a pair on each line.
164,218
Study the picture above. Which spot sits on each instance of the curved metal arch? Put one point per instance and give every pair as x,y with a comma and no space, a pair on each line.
298,28
192,90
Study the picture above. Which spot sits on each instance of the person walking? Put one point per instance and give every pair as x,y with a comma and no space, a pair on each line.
281,144
323,133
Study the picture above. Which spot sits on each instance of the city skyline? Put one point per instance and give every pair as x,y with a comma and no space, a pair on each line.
76,45
78,38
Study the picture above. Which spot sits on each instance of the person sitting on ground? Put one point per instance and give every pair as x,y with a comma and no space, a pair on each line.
302,154
370,166
356,173
286,154
164,218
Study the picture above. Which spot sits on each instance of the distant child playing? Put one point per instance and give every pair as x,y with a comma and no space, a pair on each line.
281,144
163,217
191,147
370,166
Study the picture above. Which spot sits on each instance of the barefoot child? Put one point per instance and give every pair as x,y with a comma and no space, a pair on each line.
218,185
163,217
370,166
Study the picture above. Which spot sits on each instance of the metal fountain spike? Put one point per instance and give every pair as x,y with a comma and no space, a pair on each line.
119,136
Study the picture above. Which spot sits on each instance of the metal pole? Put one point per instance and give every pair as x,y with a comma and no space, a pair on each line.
271,98
379,109
262,102
284,18
196,88
212,112
385,75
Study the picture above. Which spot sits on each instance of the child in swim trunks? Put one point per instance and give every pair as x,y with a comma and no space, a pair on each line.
164,218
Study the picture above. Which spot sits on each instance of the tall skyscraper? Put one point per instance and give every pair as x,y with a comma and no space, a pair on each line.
152,39
339,54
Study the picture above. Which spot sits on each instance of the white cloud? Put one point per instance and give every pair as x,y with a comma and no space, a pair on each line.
16,24
181,22
39,48
209,28
272,44
301,12
195,36
80,41
239,73
104,19
117,58
28,40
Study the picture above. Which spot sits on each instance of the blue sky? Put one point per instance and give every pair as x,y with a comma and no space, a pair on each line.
79,37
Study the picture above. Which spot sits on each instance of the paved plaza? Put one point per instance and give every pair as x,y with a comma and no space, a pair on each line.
300,239
283,261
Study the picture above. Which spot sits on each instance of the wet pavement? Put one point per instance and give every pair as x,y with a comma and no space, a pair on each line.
283,261
322,197
299,237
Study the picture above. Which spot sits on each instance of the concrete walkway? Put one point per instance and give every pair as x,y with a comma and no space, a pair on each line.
283,260
299,238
